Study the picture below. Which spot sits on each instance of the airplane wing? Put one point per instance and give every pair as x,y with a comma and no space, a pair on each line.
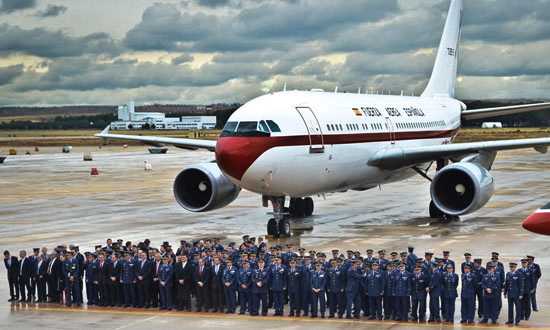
159,141
498,111
396,158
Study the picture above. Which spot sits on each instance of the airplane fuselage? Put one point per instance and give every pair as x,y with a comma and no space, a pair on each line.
300,143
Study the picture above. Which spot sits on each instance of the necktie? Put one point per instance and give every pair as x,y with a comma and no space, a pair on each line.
217,269
9,262
50,267
38,268
142,262
201,272
21,269
157,271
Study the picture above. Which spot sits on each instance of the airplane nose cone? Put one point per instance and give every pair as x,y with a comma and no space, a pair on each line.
234,155
538,223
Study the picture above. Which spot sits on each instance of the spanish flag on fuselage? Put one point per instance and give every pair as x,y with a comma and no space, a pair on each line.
357,111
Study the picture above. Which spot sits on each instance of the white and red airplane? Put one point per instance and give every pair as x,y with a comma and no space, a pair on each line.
539,221
294,144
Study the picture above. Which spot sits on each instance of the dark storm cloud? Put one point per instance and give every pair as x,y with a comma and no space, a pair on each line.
51,44
52,11
7,74
184,58
9,6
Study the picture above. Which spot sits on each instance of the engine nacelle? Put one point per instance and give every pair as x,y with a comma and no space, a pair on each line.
203,187
461,188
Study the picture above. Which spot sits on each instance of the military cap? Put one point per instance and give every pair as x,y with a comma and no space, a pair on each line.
349,252
446,253
272,248
299,258
272,256
253,239
434,263
93,254
108,250
36,249
318,263
232,244
277,258
382,251
449,266
60,246
165,256
375,264
367,264
246,236
513,264
261,254
467,254
319,254
216,238
307,257
396,262
467,266
71,246
70,252
195,242
393,253
410,247
87,253
333,261
370,251
524,260
279,247
246,262
289,245
183,241
478,261
530,257
57,250
187,244
418,267
120,240
494,258
301,249
428,253
356,262
490,265
391,264
495,253
323,255
292,261
97,247
419,260
401,265
312,252
196,254
229,260
403,254
335,251
441,260
261,261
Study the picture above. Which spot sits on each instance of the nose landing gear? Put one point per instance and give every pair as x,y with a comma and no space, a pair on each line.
279,225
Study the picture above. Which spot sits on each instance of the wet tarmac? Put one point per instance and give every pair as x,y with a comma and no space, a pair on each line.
49,198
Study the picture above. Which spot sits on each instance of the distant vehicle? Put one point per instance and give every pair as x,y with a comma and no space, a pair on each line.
489,124
2,159
66,149
291,145
539,221
158,150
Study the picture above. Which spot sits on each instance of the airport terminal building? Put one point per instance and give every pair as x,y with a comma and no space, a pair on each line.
129,119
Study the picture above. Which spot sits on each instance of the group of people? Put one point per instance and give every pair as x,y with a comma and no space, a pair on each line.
214,278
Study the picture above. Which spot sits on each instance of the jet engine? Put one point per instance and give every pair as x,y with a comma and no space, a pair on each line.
461,188
203,187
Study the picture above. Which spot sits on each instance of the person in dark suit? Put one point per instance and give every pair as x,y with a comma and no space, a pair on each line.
114,269
53,276
24,276
183,273
144,273
103,281
156,263
33,260
202,277
40,276
12,270
218,295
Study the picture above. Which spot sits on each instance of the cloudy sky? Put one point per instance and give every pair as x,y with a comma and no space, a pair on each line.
205,51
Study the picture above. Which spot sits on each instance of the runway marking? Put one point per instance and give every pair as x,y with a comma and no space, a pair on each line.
134,323
270,318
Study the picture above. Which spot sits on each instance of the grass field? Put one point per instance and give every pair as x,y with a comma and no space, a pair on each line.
31,138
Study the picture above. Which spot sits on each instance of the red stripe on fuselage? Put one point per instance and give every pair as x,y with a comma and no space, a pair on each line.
235,155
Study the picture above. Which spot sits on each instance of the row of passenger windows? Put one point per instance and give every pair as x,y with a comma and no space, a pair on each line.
378,126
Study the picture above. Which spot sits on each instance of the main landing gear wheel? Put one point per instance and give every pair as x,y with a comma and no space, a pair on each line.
284,227
308,206
300,207
272,227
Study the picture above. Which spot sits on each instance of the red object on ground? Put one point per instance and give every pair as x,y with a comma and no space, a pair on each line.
94,171
36,149
539,222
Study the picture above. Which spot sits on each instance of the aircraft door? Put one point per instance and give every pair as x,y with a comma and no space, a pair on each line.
391,130
313,128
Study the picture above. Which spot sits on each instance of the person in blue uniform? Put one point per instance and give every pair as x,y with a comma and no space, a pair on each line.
528,289
244,281
166,283
467,261
92,289
419,282
478,272
375,286
538,274
382,261
229,280
128,278
491,285
71,271
294,277
448,260
513,291
434,289
402,292
278,286
352,290
260,283
389,299
411,257
318,285
335,287
305,285
449,293
467,295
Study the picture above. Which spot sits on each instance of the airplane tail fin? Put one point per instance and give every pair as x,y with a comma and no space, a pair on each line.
443,79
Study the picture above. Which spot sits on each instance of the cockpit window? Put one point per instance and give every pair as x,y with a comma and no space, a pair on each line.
262,127
246,126
274,127
230,126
